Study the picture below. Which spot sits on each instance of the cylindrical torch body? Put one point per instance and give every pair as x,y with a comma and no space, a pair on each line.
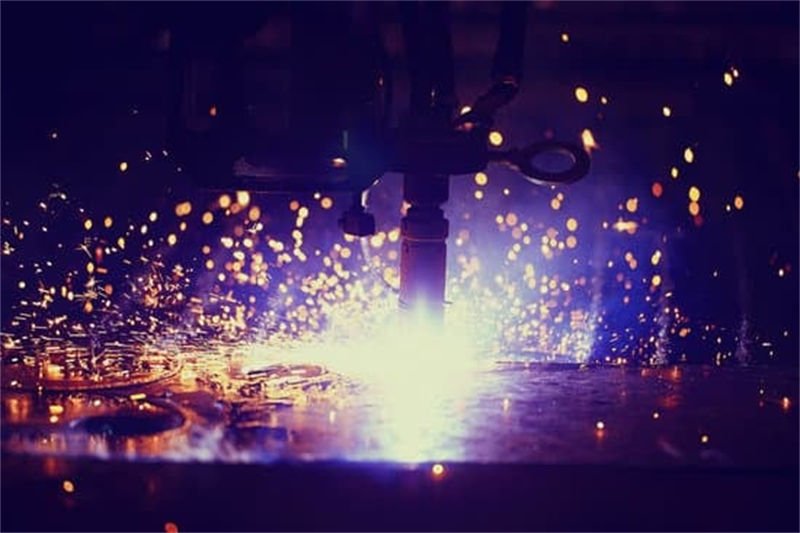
424,231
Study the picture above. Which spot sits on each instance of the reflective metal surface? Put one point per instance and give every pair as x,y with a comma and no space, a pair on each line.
260,404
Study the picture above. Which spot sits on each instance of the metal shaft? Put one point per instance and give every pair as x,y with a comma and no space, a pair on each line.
424,231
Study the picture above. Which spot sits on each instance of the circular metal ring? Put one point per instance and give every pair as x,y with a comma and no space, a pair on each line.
522,159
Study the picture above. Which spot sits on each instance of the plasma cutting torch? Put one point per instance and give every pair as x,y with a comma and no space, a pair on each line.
337,134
